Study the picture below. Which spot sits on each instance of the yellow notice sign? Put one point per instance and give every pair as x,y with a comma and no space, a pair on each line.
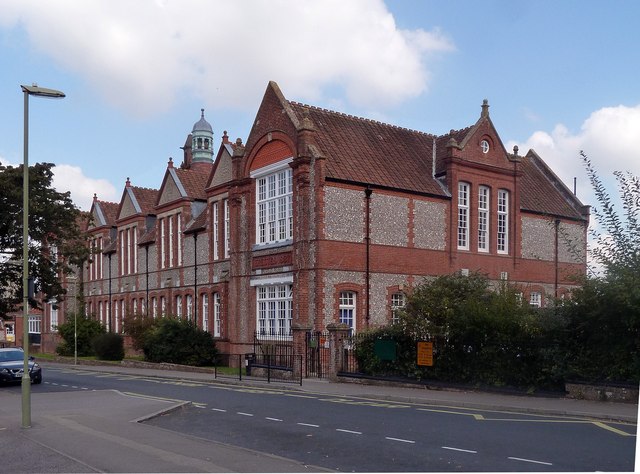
425,353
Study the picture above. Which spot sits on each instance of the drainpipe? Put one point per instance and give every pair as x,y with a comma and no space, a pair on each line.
367,193
195,278
109,312
146,264
556,259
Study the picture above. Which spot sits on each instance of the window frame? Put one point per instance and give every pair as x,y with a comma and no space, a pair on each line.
273,203
502,222
348,305
484,211
272,302
464,189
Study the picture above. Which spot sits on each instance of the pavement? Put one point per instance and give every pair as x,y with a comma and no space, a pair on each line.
99,431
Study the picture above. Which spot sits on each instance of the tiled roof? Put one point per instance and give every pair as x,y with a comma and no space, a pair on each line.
194,182
146,197
198,224
543,192
109,210
148,238
369,152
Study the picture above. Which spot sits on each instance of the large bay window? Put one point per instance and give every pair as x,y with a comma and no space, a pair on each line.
275,310
274,204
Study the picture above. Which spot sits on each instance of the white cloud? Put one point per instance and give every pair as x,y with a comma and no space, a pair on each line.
140,55
609,136
82,188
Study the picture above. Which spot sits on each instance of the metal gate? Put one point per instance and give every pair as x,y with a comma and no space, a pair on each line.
317,354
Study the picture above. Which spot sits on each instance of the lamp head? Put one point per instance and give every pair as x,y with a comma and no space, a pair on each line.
42,92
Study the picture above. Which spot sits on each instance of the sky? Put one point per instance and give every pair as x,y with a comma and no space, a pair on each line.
560,76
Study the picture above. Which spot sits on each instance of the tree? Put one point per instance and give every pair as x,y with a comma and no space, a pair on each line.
179,341
603,337
55,241
81,330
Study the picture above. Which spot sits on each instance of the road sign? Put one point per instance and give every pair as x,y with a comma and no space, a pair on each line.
425,353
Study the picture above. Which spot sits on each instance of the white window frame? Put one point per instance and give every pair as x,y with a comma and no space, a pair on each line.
535,299
123,270
179,306
463,215
35,324
116,313
134,248
171,264
502,235
484,206
154,307
274,203
217,315
216,237
163,244
179,237
189,307
205,311
227,231
274,310
163,306
398,302
53,316
347,305
134,306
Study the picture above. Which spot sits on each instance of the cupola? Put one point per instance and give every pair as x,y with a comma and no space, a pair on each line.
202,141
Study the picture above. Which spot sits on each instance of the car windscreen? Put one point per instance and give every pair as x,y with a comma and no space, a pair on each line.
11,355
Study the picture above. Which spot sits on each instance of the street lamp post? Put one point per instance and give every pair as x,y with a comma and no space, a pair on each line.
26,379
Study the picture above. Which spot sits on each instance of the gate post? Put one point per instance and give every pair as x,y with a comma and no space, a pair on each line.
299,336
338,333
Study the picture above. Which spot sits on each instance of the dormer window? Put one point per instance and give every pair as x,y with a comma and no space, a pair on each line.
484,145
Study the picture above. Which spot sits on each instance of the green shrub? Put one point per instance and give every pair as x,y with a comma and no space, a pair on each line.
179,341
481,336
109,346
85,328
137,326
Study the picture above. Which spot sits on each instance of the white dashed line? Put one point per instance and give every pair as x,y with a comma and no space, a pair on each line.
244,414
309,424
219,409
272,419
348,431
459,449
530,460
400,439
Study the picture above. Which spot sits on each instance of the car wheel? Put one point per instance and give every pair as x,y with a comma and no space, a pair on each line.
37,380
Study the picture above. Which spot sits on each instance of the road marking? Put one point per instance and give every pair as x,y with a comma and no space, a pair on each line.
199,405
299,396
244,414
219,409
308,424
477,416
362,403
272,419
348,431
460,450
612,429
530,460
400,440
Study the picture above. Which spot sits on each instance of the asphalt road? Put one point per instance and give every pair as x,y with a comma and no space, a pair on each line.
356,434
